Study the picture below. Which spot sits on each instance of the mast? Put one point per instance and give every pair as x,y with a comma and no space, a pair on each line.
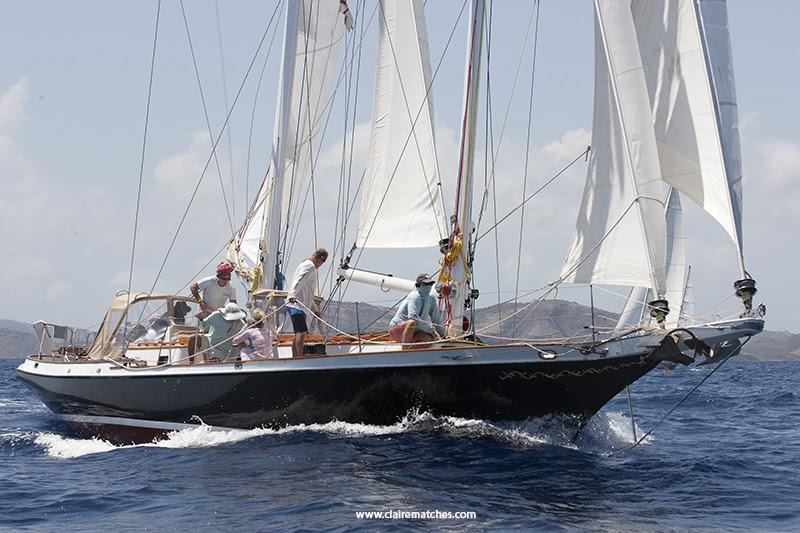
456,270
270,260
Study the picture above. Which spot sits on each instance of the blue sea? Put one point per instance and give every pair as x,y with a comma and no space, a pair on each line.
727,460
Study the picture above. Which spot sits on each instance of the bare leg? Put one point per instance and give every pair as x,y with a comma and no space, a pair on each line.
297,344
408,334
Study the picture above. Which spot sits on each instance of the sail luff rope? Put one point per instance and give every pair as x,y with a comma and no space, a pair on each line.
141,161
205,114
527,157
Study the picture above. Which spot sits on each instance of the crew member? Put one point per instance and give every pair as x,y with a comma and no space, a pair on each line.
417,317
214,292
301,297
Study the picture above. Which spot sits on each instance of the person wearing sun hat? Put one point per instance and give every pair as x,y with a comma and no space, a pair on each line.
221,326
417,317
214,291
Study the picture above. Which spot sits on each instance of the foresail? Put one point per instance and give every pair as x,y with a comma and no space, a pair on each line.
676,258
401,204
620,233
244,250
698,150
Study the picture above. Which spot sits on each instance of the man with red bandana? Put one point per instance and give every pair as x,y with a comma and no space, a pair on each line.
214,292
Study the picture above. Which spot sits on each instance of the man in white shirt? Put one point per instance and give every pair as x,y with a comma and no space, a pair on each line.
214,292
301,297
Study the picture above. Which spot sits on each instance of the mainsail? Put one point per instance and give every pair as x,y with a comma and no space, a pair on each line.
685,49
401,203
620,234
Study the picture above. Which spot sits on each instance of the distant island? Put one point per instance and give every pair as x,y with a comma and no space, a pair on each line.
550,319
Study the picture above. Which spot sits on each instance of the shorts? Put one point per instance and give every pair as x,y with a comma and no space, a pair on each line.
299,324
396,334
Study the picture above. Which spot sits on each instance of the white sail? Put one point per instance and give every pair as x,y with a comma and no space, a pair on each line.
634,311
401,204
676,258
687,308
694,113
313,35
620,233
244,250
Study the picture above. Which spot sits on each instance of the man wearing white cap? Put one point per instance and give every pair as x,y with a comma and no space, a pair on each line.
417,317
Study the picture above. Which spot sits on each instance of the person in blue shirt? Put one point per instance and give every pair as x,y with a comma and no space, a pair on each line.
417,317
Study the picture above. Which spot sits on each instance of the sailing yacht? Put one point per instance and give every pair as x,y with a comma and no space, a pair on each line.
664,114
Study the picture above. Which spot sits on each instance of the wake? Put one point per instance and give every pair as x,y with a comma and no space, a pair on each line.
605,432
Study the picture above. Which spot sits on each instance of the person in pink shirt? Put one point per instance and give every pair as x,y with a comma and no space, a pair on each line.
257,337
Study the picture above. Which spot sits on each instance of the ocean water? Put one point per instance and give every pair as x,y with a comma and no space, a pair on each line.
728,459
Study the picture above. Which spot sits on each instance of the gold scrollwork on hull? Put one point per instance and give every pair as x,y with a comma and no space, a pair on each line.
516,374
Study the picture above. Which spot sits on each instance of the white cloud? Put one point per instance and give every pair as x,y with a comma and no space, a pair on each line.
12,105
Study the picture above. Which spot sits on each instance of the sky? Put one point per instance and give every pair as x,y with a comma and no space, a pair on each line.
73,94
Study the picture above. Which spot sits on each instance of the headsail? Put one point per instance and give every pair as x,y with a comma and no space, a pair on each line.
401,204
694,112
620,233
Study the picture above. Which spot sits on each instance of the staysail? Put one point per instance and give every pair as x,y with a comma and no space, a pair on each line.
620,234
401,203
686,53
676,258
636,309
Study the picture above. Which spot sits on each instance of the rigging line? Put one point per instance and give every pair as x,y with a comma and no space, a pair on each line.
494,184
328,109
352,143
553,286
253,112
311,144
426,102
144,147
341,200
225,96
306,20
205,114
680,402
408,138
329,103
216,142
305,95
496,154
527,155
537,191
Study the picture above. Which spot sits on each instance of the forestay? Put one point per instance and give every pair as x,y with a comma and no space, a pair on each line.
401,204
620,233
